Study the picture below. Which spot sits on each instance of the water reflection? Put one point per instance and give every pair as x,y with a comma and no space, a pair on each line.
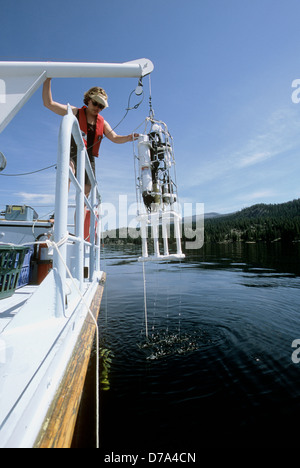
216,369
276,257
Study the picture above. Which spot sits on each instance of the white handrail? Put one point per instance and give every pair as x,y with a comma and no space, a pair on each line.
70,126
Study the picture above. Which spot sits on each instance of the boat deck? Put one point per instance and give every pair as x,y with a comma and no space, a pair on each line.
10,306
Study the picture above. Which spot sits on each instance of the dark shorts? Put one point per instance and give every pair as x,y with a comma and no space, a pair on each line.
92,161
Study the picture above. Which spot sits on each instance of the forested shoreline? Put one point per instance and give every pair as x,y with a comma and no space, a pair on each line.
258,223
261,222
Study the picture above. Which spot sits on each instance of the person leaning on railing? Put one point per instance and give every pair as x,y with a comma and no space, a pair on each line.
92,124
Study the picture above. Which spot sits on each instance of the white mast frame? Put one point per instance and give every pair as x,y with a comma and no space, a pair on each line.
20,80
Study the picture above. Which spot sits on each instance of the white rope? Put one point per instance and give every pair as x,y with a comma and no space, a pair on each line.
145,300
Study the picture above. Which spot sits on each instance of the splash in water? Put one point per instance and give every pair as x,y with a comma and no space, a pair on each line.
161,344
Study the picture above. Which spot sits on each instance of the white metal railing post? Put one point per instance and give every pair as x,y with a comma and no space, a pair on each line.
80,210
61,210
92,231
98,234
70,126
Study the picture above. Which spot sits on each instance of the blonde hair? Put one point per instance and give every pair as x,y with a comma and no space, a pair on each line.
95,90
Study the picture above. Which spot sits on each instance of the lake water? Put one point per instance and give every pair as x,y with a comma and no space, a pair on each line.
216,369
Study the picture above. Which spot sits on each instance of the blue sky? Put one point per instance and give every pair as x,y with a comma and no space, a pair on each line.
222,83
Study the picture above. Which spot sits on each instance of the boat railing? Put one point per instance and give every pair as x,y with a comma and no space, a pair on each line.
85,253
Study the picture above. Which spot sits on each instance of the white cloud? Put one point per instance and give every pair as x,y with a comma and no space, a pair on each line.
36,198
255,158
259,195
279,135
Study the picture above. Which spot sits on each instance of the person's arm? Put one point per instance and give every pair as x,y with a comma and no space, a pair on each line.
112,136
56,107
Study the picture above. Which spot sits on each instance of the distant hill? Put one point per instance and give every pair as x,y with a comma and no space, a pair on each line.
260,222
290,209
212,215
194,218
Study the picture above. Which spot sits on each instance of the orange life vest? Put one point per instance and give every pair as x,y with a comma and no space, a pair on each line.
84,130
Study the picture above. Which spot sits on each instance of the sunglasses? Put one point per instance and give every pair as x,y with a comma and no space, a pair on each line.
96,104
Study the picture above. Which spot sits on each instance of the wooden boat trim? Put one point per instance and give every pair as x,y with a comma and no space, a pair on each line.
59,424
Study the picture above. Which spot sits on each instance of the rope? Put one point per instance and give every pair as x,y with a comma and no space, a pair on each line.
151,111
145,300
28,173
